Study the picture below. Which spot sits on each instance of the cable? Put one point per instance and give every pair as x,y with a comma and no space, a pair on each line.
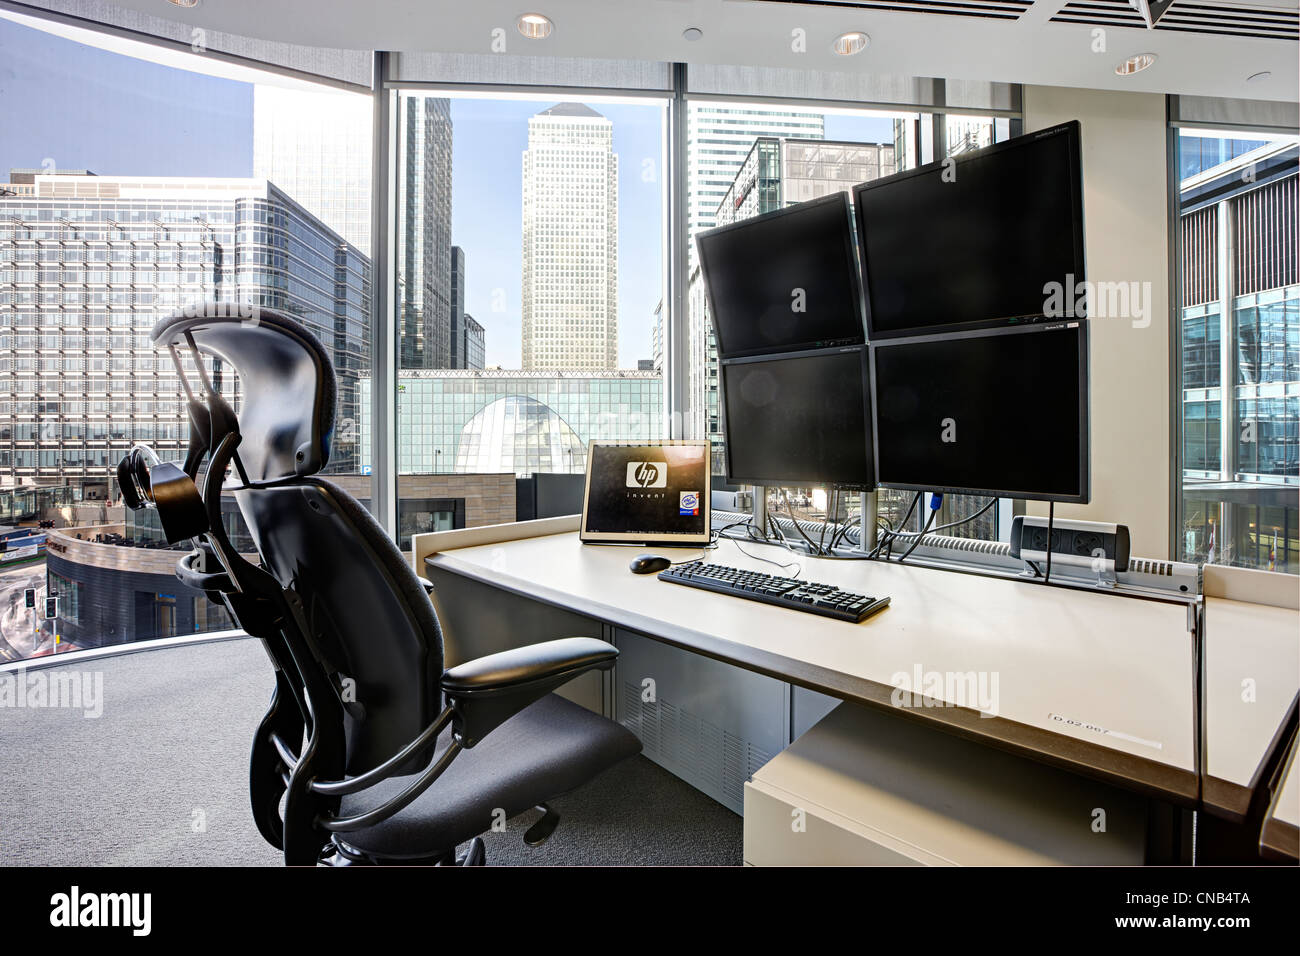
936,502
1051,517
830,507
888,537
714,538
950,524
795,521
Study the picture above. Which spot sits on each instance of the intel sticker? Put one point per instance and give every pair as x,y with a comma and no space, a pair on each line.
689,503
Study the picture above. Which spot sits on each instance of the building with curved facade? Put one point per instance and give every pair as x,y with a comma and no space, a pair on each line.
516,422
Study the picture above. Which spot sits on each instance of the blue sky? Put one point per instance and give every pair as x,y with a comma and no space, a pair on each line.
84,108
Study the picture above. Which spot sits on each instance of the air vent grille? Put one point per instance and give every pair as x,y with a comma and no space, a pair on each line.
986,9
1149,566
1265,23
713,759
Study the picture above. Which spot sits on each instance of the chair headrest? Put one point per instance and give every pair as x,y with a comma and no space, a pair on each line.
287,378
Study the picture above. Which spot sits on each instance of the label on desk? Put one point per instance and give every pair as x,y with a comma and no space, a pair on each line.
1098,729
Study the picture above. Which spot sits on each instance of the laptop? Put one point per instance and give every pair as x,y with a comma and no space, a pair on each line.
647,493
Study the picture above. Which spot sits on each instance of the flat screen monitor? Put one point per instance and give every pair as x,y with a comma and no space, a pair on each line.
784,281
975,240
647,493
798,419
992,412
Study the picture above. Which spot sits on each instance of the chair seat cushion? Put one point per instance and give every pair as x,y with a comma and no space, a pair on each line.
547,749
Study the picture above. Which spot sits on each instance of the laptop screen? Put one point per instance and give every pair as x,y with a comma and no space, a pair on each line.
653,492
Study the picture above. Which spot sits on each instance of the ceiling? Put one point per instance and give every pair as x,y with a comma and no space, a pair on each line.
1204,48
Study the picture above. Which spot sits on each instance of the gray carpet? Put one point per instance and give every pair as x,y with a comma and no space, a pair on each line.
160,778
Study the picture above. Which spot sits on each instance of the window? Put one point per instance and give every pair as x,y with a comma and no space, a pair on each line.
205,181
1238,321
744,160
528,264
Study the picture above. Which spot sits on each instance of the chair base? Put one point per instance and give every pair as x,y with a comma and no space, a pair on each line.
541,831
339,853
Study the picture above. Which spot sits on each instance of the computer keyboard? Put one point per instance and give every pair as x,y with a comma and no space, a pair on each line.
824,599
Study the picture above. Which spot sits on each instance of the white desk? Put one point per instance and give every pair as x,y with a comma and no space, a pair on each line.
1100,684
1252,678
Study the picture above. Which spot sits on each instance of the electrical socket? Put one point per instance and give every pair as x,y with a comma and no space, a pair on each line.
1096,545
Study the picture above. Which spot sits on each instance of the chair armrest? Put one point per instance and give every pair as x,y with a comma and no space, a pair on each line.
486,692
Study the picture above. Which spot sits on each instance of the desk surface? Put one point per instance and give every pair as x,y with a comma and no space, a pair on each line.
1252,678
1099,683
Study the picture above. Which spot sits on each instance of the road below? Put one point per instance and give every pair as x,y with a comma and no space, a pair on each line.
19,637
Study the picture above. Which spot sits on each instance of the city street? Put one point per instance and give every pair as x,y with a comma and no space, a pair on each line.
18,637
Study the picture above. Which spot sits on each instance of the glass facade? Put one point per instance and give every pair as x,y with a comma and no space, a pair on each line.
88,264
1239,372
516,422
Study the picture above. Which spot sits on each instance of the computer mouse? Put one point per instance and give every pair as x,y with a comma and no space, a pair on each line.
649,564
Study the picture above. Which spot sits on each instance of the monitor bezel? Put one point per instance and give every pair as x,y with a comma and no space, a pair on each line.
1071,130
618,537
851,257
868,420
1084,496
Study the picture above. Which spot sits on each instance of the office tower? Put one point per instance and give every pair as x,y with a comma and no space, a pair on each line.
316,146
657,338
781,172
457,290
424,166
474,344
1240,395
468,346
89,263
570,253
718,138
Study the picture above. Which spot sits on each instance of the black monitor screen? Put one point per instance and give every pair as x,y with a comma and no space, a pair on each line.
784,281
1002,412
800,420
974,240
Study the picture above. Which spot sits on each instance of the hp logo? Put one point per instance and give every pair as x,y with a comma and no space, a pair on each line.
647,474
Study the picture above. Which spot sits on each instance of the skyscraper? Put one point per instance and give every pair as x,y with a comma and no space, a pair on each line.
424,138
89,263
457,359
570,252
316,145
718,138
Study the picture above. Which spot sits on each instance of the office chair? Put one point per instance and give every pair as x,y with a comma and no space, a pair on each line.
369,751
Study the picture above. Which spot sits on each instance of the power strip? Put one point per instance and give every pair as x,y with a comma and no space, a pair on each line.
1095,545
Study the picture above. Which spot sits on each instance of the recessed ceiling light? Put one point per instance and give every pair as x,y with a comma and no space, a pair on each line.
692,34
184,3
534,26
1259,77
847,44
1135,64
